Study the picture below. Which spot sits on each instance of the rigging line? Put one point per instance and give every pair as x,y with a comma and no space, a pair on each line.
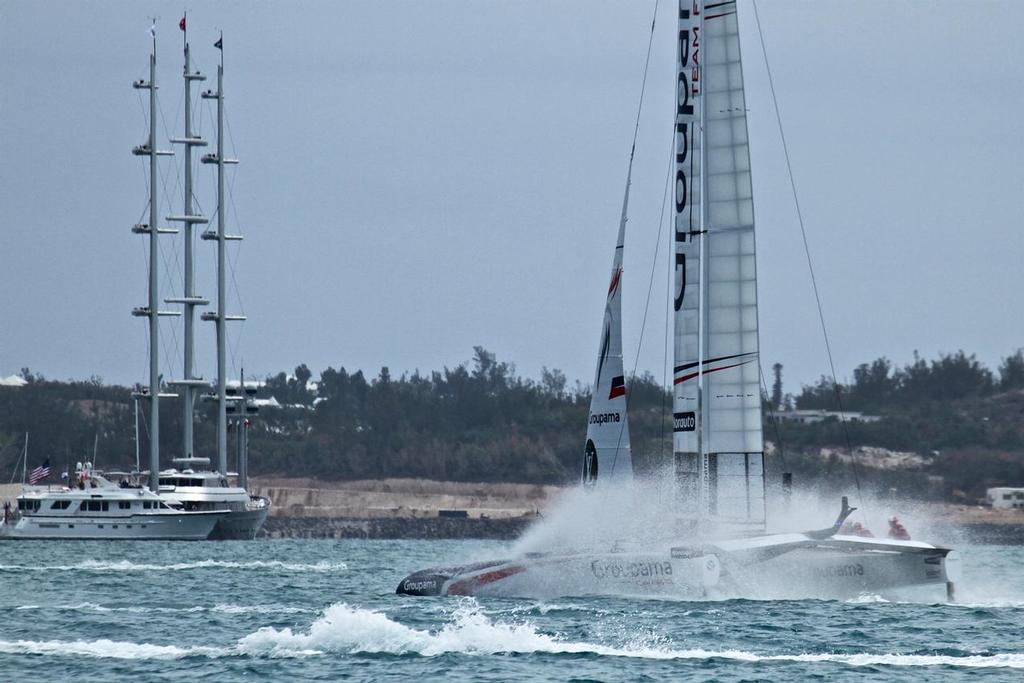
142,107
643,83
629,175
650,290
807,253
667,388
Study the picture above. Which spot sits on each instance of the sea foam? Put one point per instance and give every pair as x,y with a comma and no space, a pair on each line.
344,629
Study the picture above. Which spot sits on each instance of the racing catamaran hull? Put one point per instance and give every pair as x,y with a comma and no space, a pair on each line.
777,566
788,566
544,575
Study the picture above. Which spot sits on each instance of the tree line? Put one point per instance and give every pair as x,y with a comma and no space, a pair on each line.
482,421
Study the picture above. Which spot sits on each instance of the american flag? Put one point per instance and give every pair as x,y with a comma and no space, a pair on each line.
39,473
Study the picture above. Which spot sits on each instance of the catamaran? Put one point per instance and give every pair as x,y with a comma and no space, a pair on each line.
719,542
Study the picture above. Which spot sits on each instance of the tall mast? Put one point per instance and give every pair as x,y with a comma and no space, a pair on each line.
703,394
220,316
190,300
152,311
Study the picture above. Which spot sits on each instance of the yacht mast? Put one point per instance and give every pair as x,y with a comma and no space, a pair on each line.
220,316
190,300
152,310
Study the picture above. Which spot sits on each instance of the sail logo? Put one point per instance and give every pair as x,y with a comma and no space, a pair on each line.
604,418
684,422
687,85
629,570
590,464
840,570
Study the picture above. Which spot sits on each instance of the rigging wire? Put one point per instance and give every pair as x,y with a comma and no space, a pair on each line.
647,303
629,175
774,420
807,252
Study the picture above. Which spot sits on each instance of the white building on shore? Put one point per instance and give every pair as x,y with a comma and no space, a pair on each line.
1005,498
808,417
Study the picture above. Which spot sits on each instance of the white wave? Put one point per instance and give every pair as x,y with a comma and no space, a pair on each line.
348,629
105,649
867,599
343,629
142,609
322,566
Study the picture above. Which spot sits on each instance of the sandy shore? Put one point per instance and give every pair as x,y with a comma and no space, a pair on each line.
403,498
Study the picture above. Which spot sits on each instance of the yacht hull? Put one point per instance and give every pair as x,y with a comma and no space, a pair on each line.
240,525
791,566
549,575
837,568
185,526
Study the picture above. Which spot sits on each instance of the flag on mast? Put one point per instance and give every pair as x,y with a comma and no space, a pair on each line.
220,43
181,24
40,473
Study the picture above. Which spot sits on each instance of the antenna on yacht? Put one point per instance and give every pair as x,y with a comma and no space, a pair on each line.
138,467
243,434
189,381
220,316
24,461
152,310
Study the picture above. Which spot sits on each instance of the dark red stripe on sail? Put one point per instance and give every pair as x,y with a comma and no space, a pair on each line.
618,387
691,375
616,276
687,366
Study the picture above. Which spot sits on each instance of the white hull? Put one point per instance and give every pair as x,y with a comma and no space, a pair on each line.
240,525
779,567
546,576
183,526
840,567
205,490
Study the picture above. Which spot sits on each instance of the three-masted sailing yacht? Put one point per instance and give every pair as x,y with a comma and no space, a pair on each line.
91,506
720,540
192,484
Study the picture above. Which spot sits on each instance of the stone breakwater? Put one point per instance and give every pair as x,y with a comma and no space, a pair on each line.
507,529
395,528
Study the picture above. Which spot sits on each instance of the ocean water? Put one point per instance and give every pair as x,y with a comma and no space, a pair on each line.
326,610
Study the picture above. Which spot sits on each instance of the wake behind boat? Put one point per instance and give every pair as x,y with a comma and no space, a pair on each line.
718,507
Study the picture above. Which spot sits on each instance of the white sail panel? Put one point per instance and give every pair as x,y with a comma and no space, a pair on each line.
733,400
607,451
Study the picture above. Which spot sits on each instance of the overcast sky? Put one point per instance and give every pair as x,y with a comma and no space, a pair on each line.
421,177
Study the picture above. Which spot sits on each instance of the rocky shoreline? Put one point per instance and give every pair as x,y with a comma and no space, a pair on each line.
395,528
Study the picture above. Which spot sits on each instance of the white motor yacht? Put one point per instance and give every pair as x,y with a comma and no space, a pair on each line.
95,508
196,487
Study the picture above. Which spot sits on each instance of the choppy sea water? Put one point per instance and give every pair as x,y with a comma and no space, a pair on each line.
326,610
